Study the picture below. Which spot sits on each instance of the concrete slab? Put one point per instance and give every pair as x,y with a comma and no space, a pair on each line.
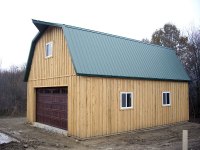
50,128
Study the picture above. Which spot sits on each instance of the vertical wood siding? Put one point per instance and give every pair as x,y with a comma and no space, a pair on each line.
94,102
47,72
97,112
59,64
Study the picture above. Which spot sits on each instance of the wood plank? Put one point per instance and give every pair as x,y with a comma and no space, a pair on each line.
108,102
82,102
118,105
132,115
100,92
93,107
88,107
136,108
104,101
75,101
97,107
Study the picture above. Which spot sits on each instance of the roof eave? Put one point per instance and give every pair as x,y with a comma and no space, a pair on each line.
138,78
30,57
41,26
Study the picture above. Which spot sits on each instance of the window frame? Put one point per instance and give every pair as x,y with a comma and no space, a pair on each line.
163,99
49,43
124,108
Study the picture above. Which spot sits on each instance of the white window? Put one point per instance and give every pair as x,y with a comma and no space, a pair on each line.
126,100
48,49
166,101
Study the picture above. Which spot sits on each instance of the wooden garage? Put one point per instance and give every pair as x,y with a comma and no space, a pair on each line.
91,83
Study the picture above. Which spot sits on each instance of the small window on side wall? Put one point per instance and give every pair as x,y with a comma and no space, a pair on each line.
126,100
48,49
166,101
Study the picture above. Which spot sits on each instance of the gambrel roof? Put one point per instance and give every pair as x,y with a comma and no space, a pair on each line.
100,54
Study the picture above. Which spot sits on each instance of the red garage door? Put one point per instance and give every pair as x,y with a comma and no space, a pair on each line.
51,106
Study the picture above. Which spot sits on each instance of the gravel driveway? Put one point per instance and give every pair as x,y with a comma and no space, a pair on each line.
165,137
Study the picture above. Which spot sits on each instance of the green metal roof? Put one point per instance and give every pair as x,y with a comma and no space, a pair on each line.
100,54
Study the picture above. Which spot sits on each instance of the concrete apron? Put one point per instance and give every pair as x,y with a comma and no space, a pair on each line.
50,128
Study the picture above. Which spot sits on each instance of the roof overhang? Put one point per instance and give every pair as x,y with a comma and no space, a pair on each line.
41,26
70,30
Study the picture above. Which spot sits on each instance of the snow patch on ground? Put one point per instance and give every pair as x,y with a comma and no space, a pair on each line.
6,139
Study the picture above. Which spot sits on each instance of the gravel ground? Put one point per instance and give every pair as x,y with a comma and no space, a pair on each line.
165,137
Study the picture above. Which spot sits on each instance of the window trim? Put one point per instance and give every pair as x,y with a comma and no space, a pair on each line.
164,105
125,108
51,43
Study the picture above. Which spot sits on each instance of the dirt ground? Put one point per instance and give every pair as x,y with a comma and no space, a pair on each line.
165,137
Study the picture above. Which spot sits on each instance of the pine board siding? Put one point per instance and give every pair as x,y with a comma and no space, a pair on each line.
55,71
94,102
103,114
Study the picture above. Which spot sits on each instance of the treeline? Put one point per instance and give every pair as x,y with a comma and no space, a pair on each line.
187,48
12,91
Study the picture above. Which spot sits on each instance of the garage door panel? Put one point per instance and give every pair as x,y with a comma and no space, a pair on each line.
51,106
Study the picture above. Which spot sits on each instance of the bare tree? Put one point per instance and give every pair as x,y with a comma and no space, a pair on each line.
193,68
188,51
145,40
0,64
13,91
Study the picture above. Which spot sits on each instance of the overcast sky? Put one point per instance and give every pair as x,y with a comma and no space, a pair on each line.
129,18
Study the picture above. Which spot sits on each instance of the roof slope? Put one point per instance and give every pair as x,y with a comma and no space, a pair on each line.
100,54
